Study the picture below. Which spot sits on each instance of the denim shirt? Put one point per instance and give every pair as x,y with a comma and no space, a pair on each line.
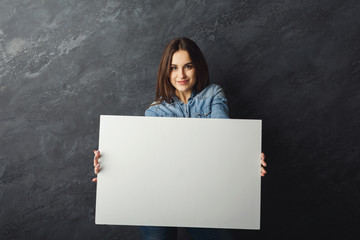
209,103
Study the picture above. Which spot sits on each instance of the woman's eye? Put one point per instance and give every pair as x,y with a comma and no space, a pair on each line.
173,68
189,67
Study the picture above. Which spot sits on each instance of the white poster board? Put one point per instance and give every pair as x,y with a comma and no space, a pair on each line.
183,172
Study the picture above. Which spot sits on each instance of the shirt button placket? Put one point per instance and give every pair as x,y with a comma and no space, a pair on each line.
186,111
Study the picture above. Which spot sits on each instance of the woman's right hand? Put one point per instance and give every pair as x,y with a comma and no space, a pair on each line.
96,163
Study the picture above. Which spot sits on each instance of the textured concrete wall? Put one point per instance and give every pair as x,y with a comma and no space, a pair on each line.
294,64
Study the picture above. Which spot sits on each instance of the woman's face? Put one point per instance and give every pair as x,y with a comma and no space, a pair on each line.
182,74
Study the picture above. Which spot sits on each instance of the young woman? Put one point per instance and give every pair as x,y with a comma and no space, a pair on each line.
183,90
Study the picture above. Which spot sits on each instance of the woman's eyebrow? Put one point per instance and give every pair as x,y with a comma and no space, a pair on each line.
184,64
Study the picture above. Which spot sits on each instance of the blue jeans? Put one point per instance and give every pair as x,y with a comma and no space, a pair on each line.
170,233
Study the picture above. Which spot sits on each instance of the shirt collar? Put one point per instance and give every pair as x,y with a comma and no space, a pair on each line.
193,94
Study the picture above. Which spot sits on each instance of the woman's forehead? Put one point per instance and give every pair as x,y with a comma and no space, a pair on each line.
180,57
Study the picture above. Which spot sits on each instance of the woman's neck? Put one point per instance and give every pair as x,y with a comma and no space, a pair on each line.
183,96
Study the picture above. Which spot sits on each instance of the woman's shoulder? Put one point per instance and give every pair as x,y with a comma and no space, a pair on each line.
212,90
158,108
152,109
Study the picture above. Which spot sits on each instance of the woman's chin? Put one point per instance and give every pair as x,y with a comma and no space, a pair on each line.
183,89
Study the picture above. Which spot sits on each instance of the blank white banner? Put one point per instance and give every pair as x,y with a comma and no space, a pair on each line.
183,172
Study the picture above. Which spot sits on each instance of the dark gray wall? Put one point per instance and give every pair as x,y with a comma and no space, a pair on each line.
294,64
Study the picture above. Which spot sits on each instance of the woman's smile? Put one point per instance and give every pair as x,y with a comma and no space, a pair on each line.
183,82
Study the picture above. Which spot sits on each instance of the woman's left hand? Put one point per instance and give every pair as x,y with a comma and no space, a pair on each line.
263,164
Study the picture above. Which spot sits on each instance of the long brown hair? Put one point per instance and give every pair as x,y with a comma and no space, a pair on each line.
164,89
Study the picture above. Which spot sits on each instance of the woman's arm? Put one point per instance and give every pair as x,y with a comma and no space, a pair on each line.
150,113
219,108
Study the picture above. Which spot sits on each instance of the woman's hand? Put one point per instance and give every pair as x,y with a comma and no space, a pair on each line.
96,163
263,164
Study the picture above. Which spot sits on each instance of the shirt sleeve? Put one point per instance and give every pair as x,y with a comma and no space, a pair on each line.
150,113
219,108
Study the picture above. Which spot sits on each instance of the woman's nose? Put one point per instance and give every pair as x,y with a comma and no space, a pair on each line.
181,73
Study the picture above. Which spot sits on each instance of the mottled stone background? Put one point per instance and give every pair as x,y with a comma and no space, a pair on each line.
294,64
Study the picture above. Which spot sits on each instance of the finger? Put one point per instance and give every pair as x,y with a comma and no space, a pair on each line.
263,171
263,163
94,180
97,169
97,154
96,157
263,160
96,161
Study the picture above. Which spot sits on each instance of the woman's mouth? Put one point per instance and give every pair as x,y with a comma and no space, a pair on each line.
182,82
